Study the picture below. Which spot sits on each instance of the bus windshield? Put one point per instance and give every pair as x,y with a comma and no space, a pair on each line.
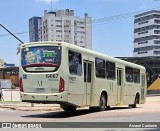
46,56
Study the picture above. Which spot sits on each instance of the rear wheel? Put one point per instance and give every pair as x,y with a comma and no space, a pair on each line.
135,102
68,108
103,102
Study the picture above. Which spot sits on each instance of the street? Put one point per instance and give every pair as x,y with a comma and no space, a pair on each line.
148,112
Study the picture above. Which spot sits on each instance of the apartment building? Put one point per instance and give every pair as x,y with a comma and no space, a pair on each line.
147,34
35,29
62,25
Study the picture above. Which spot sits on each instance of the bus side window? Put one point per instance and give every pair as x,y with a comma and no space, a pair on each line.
75,63
100,68
129,74
136,76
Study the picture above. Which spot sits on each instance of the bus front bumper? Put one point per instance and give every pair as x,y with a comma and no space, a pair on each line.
44,98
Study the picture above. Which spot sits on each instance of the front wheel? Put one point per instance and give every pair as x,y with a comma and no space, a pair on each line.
103,103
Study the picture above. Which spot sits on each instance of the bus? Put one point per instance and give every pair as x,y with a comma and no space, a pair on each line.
72,76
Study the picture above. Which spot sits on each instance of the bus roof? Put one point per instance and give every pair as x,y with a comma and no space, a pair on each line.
84,50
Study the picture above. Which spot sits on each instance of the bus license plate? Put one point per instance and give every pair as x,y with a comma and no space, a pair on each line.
40,89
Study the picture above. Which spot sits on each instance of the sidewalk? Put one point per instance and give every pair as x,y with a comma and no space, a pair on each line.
11,100
15,105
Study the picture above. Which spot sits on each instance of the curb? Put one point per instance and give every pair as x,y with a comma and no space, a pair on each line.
150,95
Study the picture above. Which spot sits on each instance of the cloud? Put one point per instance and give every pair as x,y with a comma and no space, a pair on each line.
46,1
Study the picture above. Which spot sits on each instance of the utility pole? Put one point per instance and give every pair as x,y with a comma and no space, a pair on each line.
11,33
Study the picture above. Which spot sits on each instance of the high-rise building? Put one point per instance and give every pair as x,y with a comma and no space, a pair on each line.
62,25
147,34
35,29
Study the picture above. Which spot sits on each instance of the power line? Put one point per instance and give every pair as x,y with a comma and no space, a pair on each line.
18,33
120,16
101,20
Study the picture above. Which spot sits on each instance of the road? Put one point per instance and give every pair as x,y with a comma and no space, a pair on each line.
148,112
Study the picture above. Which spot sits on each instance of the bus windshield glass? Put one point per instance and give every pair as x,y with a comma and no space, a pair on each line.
48,56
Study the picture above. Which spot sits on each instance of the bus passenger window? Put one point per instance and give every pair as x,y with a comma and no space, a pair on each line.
129,74
110,70
136,76
100,67
75,63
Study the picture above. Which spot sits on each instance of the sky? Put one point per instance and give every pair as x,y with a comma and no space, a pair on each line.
112,27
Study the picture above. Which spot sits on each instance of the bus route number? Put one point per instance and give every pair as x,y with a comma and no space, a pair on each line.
51,75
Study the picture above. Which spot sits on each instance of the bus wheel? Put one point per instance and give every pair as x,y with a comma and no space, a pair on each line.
135,102
69,108
102,103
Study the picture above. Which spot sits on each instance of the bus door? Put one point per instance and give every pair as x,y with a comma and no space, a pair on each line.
119,86
87,82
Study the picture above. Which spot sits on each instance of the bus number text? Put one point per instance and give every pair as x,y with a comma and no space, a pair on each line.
72,78
52,76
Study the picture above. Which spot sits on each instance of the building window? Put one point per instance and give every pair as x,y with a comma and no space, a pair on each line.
142,22
144,32
59,36
75,63
58,30
156,52
100,67
144,42
156,42
156,31
144,52
66,26
58,20
60,26
157,21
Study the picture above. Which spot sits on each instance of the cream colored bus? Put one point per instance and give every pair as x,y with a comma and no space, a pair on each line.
72,76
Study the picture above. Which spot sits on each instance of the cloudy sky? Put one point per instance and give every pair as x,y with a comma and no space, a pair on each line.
113,22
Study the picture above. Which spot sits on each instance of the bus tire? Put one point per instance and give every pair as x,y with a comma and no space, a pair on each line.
103,102
135,102
69,108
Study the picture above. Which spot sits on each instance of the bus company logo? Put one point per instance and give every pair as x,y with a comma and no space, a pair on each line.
6,125
39,83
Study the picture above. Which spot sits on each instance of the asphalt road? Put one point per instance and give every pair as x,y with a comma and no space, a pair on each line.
148,112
